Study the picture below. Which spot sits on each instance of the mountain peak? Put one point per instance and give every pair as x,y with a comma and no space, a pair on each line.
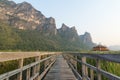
8,2
87,39
64,24
64,27
68,29
25,6
69,33
87,33
25,3
51,20
73,28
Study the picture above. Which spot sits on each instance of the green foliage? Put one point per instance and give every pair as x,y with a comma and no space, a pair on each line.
28,61
4,66
8,38
111,67
33,40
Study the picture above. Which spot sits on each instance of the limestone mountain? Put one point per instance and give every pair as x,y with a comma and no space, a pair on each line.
68,33
24,16
87,39
49,27
34,31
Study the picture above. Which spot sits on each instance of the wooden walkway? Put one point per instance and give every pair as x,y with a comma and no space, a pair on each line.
60,71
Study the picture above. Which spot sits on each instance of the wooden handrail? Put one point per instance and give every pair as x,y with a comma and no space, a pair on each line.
50,59
8,56
107,57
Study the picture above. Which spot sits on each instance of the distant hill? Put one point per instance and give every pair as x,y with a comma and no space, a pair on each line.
115,47
28,29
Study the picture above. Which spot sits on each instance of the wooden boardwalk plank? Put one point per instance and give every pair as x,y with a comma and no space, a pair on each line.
60,71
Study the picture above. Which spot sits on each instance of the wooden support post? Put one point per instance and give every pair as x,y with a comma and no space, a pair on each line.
76,63
38,68
86,71
91,74
46,63
83,68
35,68
49,61
38,65
20,66
28,74
98,67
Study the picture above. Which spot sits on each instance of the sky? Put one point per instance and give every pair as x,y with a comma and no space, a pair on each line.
101,18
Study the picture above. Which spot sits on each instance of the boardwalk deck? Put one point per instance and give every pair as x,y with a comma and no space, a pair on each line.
60,71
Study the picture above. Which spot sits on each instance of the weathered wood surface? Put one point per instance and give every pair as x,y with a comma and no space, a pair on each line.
7,56
108,57
20,56
60,71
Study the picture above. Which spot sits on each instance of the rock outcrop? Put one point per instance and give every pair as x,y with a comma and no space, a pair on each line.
87,39
69,33
24,16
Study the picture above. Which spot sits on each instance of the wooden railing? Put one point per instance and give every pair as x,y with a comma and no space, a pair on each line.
89,71
30,71
42,61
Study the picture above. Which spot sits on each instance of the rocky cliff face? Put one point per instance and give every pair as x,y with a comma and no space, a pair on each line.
24,16
87,39
69,33
6,9
48,27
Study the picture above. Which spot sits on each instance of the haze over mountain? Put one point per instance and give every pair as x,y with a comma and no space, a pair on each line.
33,31
115,47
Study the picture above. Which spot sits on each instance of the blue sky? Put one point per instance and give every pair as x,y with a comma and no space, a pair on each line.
99,17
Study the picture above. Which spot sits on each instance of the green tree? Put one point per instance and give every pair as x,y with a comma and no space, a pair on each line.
8,38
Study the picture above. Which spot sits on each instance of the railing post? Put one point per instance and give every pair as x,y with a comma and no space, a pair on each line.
33,70
20,66
28,74
91,74
35,67
98,67
86,71
83,68
38,68
46,64
76,62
